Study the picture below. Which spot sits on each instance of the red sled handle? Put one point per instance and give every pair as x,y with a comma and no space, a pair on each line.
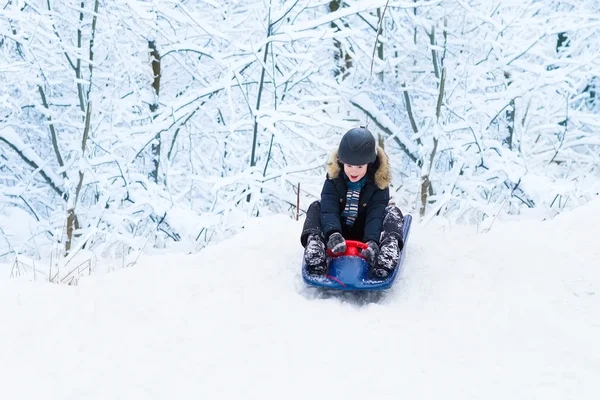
352,249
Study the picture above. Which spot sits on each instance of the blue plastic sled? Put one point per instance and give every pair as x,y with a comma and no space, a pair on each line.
350,271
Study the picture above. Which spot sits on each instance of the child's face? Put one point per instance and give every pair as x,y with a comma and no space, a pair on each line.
355,172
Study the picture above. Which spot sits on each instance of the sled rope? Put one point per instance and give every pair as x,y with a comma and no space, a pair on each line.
337,280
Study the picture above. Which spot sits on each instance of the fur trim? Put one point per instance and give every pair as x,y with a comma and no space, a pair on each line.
383,175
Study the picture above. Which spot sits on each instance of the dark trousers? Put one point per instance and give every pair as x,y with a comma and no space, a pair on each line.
391,227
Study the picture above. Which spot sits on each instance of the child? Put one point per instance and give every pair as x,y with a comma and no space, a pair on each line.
354,206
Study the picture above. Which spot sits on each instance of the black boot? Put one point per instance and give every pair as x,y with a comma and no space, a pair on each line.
314,256
392,226
391,243
388,259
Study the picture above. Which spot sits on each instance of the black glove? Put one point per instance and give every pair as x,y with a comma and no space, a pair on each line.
380,273
371,252
336,243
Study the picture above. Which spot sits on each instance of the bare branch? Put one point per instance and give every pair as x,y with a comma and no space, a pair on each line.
53,135
379,30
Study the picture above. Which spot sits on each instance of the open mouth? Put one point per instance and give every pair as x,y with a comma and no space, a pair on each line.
353,176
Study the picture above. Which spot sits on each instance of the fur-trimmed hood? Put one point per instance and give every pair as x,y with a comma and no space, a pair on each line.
382,174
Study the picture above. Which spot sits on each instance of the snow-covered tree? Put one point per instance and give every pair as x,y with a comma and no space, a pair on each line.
127,125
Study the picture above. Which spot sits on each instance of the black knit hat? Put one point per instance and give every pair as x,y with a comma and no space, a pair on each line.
357,147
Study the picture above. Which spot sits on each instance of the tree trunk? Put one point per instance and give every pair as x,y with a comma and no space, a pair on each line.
343,61
510,114
156,145
380,44
426,186
72,220
72,223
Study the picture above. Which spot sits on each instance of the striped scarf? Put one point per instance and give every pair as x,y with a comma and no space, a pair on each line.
352,195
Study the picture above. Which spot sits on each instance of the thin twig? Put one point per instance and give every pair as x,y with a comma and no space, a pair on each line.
378,33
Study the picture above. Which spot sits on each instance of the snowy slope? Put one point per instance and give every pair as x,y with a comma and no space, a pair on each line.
513,314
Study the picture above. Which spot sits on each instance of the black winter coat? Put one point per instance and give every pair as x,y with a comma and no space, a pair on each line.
374,198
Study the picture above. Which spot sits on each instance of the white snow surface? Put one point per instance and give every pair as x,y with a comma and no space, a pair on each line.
511,314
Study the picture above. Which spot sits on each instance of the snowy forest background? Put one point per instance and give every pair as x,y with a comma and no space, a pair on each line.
128,125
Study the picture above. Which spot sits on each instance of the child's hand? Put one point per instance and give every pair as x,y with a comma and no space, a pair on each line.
371,252
336,243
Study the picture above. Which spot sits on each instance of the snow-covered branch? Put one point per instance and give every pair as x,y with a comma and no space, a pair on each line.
30,157
365,104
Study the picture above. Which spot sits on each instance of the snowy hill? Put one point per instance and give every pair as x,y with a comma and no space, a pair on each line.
512,314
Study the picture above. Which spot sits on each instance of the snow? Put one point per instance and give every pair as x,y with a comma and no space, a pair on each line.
511,314
15,224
